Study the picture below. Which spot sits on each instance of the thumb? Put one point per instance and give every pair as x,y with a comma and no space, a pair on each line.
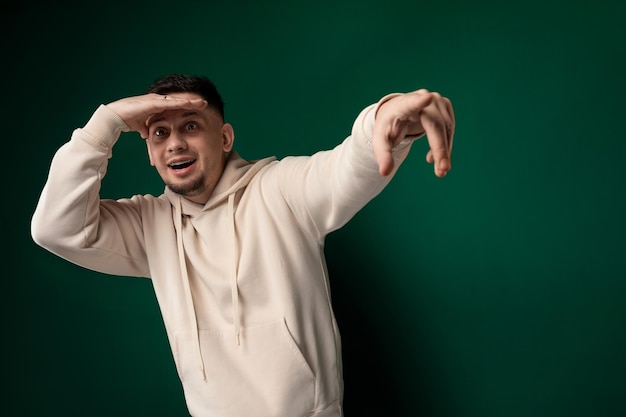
382,151
391,120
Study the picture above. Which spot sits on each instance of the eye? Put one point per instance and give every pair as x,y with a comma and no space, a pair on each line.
191,126
159,134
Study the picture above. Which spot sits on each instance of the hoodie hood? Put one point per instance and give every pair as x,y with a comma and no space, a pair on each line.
236,176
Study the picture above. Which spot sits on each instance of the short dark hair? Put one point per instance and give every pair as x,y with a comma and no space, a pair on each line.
183,83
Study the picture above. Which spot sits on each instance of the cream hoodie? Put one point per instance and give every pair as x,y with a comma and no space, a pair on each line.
241,281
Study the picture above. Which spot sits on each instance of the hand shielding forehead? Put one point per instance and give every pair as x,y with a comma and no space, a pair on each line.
159,117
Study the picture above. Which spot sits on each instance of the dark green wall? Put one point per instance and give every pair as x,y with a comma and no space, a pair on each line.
497,291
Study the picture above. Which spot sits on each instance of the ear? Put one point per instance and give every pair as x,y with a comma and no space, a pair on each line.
149,149
228,137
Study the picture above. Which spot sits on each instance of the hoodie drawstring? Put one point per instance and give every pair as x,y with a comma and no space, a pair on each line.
183,269
233,281
191,312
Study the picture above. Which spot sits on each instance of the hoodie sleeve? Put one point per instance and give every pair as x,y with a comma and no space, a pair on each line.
71,220
324,191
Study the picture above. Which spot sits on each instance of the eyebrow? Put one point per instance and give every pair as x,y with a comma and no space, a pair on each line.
159,118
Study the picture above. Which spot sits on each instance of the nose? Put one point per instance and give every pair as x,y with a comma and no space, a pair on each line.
175,142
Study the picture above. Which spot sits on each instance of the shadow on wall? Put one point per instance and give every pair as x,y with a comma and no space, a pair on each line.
383,375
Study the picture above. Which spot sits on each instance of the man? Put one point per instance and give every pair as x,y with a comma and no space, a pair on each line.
234,248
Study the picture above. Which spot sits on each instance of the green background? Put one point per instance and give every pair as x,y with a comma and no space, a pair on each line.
497,291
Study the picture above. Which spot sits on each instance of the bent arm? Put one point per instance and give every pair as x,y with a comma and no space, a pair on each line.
72,222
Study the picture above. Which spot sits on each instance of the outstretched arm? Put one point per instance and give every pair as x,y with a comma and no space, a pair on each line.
325,190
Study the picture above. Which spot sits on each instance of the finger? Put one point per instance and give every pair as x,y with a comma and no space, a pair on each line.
443,127
152,103
429,157
382,152
384,142
437,135
167,102
452,127
417,101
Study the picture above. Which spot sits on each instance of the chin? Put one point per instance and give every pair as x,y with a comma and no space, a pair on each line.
189,188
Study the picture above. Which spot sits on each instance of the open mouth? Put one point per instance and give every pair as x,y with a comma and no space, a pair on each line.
178,165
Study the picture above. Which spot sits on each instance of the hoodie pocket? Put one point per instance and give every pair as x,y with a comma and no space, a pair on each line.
266,375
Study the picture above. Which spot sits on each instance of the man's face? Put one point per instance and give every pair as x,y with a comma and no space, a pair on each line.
187,147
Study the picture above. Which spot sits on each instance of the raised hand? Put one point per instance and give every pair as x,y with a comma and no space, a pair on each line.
135,111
